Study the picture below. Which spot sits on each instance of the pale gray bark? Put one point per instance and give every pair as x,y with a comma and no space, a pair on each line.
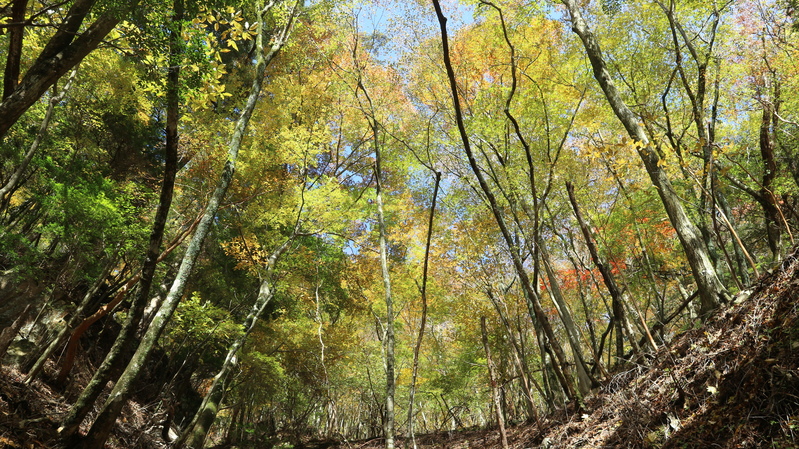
711,291
584,379
194,434
122,390
518,356
388,341
495,389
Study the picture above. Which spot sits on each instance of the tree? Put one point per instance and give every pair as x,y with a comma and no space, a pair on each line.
104,422
65,49
711,291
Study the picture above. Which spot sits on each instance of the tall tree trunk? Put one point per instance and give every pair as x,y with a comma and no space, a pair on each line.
71,422
389,333
561,367
518,358
768,200
411,437
122,390
584,379
617,299
711,291
388,341
193,436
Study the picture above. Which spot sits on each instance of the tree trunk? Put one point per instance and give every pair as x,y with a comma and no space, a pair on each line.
193,436
495,391
62,52
711,291
617,298
411,438
519,358
14,55
769,201
71,422
8,334
122,390
534,302
14,181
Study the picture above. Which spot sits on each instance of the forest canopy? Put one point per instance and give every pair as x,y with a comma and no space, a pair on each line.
277,220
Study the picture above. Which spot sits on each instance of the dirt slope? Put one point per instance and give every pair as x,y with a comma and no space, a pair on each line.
733,383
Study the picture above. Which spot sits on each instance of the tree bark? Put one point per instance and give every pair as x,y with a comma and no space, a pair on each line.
14,181
411,437
71,422
561,368
122,390
14,55
518,357
495,392
193,436
621,319
711,291
584,379
8,334
62,52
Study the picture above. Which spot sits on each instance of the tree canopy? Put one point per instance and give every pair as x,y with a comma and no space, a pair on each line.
279,220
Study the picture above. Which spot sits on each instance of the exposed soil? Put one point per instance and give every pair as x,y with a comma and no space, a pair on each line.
733,383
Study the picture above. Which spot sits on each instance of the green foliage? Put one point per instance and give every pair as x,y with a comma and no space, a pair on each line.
200,327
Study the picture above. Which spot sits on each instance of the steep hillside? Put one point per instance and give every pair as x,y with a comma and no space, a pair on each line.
733,383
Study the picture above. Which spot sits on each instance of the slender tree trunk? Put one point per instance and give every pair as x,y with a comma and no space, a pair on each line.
193,436
122,390
495,391
518,357
584,379
71,422
389,333
388,342
711,291
14,181
769,201
561,368
411,437
617,298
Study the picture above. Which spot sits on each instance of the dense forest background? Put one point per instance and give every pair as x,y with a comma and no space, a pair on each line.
265,222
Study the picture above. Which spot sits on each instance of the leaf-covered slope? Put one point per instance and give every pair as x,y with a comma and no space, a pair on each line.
729,384
733,383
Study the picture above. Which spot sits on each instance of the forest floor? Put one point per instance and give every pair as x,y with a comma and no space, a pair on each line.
732,383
